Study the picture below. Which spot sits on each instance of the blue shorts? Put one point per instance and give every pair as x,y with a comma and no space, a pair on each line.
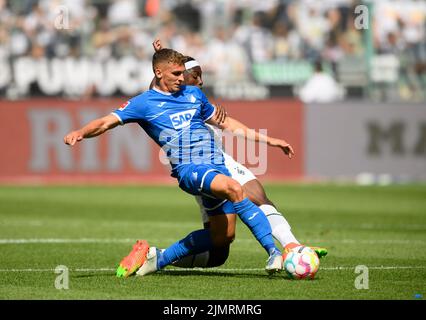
196,180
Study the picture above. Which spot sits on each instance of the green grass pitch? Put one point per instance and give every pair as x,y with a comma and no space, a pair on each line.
89,229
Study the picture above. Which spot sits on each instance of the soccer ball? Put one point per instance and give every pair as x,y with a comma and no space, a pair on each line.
301,263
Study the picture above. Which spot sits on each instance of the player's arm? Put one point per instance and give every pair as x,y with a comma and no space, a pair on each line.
157,47
220,115
92,129
239,129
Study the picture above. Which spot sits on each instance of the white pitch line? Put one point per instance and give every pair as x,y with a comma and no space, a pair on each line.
128,240
59,240
230,270
376,241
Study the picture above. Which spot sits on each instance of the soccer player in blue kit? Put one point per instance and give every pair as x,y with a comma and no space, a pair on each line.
174,116
281,229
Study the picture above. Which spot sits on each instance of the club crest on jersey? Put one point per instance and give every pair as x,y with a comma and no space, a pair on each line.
124,105
182,119
192,99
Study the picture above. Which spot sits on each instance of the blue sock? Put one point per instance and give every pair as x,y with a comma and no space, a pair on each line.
257,222
194,243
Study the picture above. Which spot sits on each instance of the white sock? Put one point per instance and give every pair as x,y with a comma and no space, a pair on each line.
281,229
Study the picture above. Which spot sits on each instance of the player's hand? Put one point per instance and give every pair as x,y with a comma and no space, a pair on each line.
220,114
157,45
285,146
73,137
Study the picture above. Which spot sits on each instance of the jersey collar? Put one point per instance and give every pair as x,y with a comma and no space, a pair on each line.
160,91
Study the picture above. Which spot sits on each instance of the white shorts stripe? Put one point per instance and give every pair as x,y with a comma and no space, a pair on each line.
204,176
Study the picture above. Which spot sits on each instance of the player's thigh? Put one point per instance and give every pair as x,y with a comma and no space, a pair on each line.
224,187
222,228
200,179
256,193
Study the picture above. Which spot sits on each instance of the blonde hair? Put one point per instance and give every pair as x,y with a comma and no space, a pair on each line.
168,56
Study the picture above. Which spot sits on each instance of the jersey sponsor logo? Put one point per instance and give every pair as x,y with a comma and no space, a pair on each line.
124,105
161,104
182,119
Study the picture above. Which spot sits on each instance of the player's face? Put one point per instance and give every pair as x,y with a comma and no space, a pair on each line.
194,77
172,76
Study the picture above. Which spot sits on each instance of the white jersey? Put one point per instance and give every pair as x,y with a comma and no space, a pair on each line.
238,172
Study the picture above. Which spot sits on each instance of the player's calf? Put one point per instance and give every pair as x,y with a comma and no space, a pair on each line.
255,192
217,256
222,229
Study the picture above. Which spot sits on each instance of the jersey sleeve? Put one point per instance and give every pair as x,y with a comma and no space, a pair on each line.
207,109
131,111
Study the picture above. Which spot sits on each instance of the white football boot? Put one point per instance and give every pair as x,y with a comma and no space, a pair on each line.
274,263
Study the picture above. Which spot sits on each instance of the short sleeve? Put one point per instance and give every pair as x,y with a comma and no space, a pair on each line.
207,109
131,111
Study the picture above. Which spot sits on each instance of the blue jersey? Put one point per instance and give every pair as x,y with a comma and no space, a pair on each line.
176,122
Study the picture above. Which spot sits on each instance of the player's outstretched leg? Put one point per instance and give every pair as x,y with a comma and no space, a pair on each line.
134,260
256,221
194,243
210,180
222,231
281,229
209,259
193,261
225,187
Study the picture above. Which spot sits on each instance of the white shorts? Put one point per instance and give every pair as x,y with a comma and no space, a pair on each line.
238,172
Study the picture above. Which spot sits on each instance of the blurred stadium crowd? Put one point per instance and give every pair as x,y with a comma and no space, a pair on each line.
234,40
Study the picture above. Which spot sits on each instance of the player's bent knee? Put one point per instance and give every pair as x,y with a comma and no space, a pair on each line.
234,191
218,256
223,240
